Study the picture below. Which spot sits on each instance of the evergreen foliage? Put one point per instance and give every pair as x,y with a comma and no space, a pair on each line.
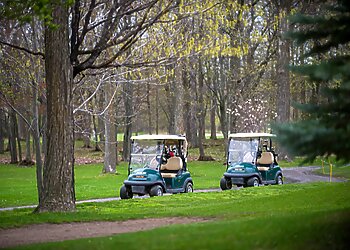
326,131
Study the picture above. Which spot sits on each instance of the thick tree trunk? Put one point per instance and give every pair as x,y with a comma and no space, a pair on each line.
58,192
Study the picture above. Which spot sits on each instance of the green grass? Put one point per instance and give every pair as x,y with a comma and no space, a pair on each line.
306,216
337,171
18,184
322,230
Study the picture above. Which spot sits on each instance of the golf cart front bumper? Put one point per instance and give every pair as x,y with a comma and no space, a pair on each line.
142,183
239,178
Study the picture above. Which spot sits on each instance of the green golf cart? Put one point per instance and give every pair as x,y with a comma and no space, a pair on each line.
251,161
157,165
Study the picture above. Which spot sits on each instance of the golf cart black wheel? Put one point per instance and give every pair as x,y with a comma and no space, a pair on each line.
156,190
279,180
225,183
125,193
189,187
253,182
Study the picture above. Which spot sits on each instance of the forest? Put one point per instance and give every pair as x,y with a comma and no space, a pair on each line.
91,70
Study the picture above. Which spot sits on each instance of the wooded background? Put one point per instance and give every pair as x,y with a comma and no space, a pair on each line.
147,66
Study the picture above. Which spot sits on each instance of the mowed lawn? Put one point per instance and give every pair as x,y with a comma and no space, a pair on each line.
18,184
304,216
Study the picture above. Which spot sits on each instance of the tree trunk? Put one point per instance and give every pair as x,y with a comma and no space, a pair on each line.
2,131
110,161
157,112
212,120
282,77
200,111
129,111
149,109
12,137
18,141
58,175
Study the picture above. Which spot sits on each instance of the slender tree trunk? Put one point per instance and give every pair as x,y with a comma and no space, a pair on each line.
110,161
101,125
12,137
87,130
200,110
28,157
58,175
18,141
97,148
282,77
212,120
2,131
129,111
157,111
149,110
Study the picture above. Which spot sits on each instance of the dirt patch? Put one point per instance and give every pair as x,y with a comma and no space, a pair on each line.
70,231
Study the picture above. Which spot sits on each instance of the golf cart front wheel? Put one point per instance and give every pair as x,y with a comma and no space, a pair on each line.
225,183
189,187
156,190
253,182
125,193
279,180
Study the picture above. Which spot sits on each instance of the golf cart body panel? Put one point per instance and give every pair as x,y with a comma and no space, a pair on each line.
158,161
251,161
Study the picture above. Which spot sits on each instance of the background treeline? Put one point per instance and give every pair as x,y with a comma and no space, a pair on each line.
200,66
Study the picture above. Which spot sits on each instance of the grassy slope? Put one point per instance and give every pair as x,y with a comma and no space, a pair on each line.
307,216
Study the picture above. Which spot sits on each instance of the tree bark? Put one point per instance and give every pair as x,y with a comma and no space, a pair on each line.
58,175
2,131
12,137
282,76
110,155
129,111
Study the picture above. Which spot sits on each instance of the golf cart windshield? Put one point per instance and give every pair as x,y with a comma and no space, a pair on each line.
241,150
146,153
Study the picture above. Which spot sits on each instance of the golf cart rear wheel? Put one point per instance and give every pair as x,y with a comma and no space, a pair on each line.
125,193
225,183
156,190
189,187
253,182
279,180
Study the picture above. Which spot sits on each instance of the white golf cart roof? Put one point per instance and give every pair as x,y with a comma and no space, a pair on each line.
158,137
251,135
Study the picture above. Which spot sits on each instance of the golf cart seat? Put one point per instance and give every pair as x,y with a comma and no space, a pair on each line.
265,161
172,167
